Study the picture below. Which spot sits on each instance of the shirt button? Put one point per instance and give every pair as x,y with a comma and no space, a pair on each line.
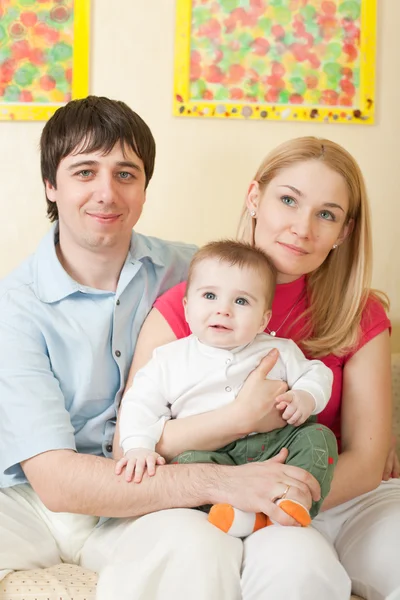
117,353
118,303
228,389
228,361
109,447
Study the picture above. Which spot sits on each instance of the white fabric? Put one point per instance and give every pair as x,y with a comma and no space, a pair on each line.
178,554
186,378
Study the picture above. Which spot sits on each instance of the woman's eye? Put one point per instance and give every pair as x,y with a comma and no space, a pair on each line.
327,215
241,301
288,200
209,296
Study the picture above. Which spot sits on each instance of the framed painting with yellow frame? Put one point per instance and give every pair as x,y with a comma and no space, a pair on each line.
44,56
295,60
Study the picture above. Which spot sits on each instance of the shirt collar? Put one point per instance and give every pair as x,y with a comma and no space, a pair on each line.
53,283
215,352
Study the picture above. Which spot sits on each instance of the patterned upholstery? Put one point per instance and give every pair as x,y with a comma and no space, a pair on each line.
69,582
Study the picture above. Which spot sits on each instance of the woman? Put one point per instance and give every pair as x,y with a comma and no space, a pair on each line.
307,208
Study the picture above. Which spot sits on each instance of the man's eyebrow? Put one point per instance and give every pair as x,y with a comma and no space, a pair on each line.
92,163
291,187
81,163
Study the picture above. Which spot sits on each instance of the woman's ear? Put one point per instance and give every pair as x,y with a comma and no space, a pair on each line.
346,231
253,196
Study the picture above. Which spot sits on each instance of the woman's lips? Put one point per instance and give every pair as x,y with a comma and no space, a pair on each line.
294,249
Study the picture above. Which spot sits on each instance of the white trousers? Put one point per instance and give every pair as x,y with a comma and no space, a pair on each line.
178,554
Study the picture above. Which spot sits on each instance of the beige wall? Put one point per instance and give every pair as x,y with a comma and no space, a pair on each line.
203,167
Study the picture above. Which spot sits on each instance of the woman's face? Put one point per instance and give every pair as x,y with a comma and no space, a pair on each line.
300,215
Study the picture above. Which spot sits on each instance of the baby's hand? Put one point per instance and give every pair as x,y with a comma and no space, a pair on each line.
136,461
297,406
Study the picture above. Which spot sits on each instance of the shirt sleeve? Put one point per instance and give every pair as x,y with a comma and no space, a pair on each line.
311,376
33,415
170,305
144,410
374,320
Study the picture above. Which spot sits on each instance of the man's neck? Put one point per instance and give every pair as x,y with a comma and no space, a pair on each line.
94,269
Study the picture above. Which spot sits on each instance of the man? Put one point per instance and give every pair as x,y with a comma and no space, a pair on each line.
70,317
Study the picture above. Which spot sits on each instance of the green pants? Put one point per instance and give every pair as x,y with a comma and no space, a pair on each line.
311,446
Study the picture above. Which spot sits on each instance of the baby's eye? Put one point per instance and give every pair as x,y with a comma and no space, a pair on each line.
241,301
209,296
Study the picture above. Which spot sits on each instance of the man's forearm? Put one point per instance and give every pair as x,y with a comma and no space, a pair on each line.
81,483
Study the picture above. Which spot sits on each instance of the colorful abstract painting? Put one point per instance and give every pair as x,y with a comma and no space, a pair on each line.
43,56
276,59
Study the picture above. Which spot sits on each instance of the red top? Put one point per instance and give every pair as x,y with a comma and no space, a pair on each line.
374,320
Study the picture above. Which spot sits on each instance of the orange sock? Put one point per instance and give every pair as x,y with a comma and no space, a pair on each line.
295,510
236,522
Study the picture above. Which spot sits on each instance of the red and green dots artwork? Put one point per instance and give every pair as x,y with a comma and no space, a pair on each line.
36,51
303,57
276,51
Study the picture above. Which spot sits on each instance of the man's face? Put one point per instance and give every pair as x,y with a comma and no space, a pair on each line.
99,198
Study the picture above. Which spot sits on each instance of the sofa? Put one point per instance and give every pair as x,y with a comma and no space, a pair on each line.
70,582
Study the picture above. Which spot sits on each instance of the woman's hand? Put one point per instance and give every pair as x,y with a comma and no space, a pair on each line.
392,465
255,405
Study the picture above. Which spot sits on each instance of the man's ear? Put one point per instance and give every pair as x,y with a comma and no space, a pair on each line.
253,196
265,320
50,191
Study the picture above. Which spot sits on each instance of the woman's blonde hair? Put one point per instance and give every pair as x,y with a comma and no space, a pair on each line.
338,290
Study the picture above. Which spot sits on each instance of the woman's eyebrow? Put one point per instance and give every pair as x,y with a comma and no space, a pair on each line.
291,187
333,205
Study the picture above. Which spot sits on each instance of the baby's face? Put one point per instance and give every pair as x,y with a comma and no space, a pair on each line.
225,304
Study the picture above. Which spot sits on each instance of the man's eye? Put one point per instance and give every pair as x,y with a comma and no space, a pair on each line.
85,173
241,301
209,296
125,175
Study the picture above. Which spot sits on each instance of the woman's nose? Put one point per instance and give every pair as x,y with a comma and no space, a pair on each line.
302,226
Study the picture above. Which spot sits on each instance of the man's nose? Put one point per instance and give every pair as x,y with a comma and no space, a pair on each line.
105,188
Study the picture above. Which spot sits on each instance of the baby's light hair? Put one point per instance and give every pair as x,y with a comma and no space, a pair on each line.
241,254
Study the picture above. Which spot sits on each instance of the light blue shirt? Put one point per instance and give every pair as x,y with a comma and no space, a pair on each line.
66,349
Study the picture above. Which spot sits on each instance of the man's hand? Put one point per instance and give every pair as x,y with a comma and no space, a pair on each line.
136,462
255,487
255,404
297,406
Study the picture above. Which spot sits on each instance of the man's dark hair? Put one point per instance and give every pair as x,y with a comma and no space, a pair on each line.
89,125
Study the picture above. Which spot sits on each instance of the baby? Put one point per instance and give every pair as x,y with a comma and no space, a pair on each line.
227,305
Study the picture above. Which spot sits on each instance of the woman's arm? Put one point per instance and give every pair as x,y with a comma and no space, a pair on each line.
253,410
366,422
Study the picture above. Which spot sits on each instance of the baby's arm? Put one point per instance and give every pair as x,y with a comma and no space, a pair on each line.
136,462
297,406
310,383
143,413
